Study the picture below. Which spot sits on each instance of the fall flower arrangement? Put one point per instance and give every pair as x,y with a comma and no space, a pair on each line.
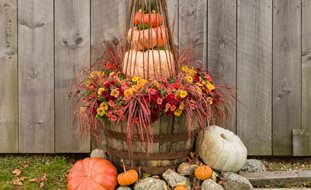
107,94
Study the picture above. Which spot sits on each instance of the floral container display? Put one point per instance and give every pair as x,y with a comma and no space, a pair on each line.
147,98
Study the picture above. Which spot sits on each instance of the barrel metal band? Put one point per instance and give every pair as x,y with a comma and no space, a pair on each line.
148,156
156,138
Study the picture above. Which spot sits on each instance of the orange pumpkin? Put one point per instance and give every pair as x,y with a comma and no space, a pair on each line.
203,172
150,64
92,174
180,187
128,177
154,19
148,38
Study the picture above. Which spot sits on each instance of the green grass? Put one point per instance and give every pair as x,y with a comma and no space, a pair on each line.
35,166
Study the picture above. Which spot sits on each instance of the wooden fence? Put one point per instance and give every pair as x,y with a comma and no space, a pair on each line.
260,47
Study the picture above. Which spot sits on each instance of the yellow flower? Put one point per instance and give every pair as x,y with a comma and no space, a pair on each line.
88,83
135,87
188,79
114,93
185,68
104,105
210,100
128,92
135,79
199,90
93,74
156,84
178,112
210,87
142,82
100,111
181,106
100,91
191,72
183,93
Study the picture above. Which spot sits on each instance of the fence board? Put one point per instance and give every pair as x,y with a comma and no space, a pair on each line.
193,27
36,76
222,45
254,75
108,21
286,73
8,77
306,64
173,14
72,51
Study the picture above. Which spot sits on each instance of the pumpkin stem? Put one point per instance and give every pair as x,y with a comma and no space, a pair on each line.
123,165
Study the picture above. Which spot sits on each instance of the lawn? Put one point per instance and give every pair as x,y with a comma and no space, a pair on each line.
35,171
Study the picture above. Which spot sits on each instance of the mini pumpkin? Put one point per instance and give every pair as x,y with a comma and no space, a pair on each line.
92,174
150,64
148,38
203,172
128,177
153,19
181,187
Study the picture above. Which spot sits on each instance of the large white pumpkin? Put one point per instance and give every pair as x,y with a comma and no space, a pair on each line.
221,149
150,64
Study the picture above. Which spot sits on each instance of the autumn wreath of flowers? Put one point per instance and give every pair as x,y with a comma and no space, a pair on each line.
107,94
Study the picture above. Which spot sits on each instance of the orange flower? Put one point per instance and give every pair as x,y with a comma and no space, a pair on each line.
159,101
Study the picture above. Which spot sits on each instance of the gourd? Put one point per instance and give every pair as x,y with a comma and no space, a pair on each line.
148,38
221,149
92,174
154,19
128,177
203,172
150,64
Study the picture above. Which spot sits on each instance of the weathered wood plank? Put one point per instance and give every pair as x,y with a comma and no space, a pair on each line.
173,14
8,77
193,28
254,75
306,64
108,21
279,178
222,46
72,51
36,76
286,73
301,142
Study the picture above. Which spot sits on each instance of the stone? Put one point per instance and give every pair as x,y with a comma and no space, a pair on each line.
150,183
253,165
124,188
186,169
173,178
98,153
233,181
211,185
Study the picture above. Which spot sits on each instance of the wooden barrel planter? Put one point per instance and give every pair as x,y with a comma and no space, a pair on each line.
171,146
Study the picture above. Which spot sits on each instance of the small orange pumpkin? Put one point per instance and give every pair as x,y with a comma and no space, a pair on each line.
128,177
148,38
92,173
180,187
203,172
154,19
150,64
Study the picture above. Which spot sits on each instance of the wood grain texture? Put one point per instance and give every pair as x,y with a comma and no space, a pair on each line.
72,52
286,73
254,75
222,46
8,77
36,76
306,64
173,14
193,28
108,21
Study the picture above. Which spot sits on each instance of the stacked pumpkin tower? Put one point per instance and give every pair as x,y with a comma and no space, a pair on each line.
149,54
